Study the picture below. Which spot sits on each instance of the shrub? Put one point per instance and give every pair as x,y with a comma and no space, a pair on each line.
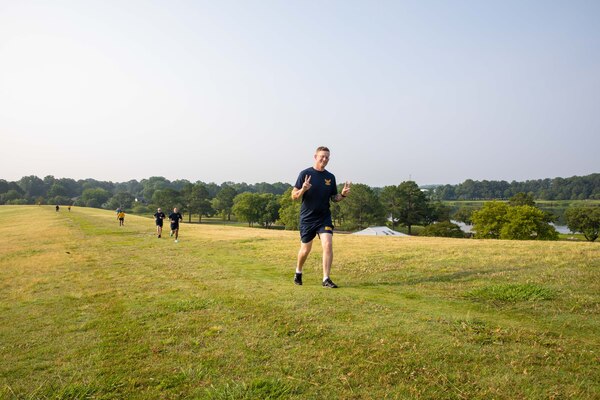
443,229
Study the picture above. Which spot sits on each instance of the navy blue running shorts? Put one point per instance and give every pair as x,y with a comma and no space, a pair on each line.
308,232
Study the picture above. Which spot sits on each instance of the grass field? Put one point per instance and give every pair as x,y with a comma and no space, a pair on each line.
89,309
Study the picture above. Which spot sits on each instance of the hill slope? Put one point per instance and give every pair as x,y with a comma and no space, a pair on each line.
91,309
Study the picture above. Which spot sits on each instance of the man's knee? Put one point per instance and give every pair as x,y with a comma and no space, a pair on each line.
305,249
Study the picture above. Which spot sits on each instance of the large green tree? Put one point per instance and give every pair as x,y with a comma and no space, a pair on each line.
223,202
123,200
72,187
522,199
361,208
197,201
167,199
4,186
289,213
57,189
585,220
437,212
498,220
32,186
390,200
489,220
93,184
153,184
12,197
443,229
527,223
246,207
413,204
262,208
269,209
463,214
94,197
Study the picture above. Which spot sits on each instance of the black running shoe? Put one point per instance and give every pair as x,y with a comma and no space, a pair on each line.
328,283
298,279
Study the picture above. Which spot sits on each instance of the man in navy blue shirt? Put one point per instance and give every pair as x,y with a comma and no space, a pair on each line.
159,216
317,187
175,217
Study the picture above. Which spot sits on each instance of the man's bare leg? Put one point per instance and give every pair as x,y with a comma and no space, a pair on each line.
303,253
327,244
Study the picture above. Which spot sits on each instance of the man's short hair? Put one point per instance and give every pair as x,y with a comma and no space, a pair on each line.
322,148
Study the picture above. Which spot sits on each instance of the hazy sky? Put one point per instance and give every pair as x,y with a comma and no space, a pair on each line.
244,91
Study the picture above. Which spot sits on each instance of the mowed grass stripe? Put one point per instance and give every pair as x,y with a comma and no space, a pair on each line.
124,314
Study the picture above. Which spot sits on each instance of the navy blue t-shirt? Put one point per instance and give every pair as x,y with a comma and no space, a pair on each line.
159,216
315,201
175,217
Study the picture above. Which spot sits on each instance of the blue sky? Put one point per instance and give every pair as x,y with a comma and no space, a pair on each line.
435,91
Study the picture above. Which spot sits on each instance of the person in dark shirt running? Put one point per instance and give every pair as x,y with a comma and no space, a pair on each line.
317,187
159,216
175,217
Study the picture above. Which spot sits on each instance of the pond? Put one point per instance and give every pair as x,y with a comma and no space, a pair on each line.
468,228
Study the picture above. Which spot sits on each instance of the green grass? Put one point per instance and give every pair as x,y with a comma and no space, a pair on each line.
512,293
92,310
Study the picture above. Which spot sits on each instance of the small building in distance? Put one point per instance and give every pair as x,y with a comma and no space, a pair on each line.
379,231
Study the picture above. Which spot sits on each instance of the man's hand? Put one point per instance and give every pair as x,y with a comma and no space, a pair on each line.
306,185
346,189
296,193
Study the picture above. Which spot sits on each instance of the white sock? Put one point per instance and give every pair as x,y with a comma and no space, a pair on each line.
325,278
297,271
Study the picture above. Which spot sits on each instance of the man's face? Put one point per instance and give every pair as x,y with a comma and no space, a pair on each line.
159,210
175,209
321,159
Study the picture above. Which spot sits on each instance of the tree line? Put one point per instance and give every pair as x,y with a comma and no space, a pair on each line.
93,193
261,203
266,204
574,188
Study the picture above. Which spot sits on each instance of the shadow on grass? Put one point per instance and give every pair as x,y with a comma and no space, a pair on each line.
234,223
440,278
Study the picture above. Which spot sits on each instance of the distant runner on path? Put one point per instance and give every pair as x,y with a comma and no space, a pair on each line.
159,216
121,218
317,187
175,217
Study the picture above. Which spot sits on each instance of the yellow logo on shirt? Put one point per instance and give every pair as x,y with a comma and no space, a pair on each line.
328,182
328,228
